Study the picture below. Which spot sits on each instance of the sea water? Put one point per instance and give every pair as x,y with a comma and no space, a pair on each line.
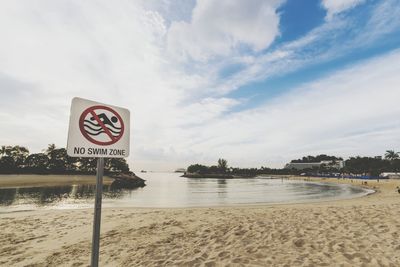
171,190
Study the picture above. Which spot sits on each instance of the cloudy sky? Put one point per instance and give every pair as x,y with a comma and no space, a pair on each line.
257,82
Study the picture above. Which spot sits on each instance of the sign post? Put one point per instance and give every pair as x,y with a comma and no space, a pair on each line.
94,262
98,131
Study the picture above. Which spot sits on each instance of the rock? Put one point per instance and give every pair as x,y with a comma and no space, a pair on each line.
129,181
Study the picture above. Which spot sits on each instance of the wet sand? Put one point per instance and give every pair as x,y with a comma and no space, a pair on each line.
357,232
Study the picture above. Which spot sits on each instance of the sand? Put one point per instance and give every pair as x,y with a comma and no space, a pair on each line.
357,232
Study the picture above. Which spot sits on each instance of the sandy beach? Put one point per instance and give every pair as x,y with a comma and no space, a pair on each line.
357,232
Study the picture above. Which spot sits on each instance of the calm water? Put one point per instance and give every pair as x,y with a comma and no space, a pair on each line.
170,190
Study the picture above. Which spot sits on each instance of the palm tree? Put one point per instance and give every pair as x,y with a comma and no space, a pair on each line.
6,150
50,148
2,150
19,154
222,164
391,155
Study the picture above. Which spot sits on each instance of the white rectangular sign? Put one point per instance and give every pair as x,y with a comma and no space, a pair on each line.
98,130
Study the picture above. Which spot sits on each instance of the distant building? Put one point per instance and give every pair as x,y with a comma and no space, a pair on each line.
390,175
303,166
337,164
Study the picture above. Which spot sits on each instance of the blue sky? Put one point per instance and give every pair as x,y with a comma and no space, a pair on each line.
299,18
256,82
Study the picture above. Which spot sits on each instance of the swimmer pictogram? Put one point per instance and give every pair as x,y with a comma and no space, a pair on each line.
101,125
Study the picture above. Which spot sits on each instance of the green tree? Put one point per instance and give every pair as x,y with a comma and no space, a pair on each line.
367,165
6,151
38,162
222,165
318,158
19,153
13,158
116,165
50,148
7,165
54,163
59,161
2,151
87,165
391,155
197,168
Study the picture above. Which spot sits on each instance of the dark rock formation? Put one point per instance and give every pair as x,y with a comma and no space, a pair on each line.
129,181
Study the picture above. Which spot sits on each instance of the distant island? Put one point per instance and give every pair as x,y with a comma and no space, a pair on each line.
320,166
218,171
18,160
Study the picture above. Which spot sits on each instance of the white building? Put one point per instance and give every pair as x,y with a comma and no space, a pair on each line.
303,166
390,175
337,164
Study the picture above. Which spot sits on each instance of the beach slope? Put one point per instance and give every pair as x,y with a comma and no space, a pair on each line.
356,232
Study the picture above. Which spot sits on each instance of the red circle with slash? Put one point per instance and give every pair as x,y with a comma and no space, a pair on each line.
111,134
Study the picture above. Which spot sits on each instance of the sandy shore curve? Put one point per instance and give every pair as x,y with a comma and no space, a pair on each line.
355,232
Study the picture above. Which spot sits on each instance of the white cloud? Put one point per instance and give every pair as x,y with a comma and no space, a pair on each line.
100,51
111,53
354,111
116,53
331,40
336,6
218,28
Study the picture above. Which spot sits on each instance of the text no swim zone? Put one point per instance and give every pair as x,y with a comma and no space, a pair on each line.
99,151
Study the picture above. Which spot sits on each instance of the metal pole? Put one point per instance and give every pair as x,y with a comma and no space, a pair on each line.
97,213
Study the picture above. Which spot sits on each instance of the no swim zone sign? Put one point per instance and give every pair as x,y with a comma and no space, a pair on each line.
97,130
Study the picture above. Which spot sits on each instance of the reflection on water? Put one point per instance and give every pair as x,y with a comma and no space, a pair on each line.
50,194
170,190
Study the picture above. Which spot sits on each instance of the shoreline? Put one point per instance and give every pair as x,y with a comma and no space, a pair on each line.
215,176
351,232
69,180
8,181
39,180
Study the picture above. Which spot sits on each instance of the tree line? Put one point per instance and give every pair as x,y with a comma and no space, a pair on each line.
372,166
318,158
223,169
53,160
